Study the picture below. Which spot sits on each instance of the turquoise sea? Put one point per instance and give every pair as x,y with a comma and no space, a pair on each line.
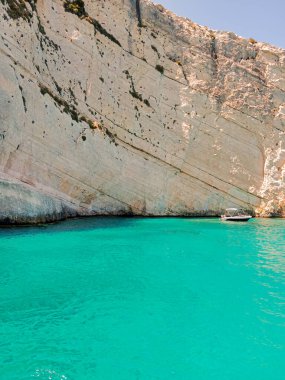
143,299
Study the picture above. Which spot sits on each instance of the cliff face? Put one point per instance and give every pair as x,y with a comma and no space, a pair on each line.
120,107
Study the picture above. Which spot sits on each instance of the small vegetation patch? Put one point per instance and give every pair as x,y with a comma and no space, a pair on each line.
154,48
213,48
175,60
133,91
62,104
160,68
136,95
92,124
103,31
147,102
252,41
75,6
17,9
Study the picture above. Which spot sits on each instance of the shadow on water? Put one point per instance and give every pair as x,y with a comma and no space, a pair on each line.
102,222
114,222
76,224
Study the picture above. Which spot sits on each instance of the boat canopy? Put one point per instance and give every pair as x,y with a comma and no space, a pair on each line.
233,211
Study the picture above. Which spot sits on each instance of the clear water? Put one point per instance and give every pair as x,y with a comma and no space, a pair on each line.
143,299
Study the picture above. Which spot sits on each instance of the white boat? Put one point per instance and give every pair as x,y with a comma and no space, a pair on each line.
235,215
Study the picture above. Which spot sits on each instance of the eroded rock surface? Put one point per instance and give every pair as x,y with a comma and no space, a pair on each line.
121,107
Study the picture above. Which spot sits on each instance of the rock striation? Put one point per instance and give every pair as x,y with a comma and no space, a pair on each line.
120,107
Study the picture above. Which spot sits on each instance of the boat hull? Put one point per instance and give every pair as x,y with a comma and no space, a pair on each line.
245,218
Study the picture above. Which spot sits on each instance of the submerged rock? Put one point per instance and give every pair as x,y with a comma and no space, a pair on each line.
121,107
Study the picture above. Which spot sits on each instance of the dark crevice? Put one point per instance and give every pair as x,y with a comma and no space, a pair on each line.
21,89
77,7
139,15
155,49
184,74
72,111
98,27
62,104
213,52
133,91
17,8
213,48
23,98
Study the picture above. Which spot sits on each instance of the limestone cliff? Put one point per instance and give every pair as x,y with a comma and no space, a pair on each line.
121,107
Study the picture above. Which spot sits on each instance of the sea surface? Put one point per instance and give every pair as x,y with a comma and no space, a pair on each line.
143,299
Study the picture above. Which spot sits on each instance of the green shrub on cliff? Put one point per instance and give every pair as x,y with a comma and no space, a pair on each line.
75,6
252,41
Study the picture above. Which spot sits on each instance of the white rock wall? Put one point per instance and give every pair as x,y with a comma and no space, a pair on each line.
169,118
